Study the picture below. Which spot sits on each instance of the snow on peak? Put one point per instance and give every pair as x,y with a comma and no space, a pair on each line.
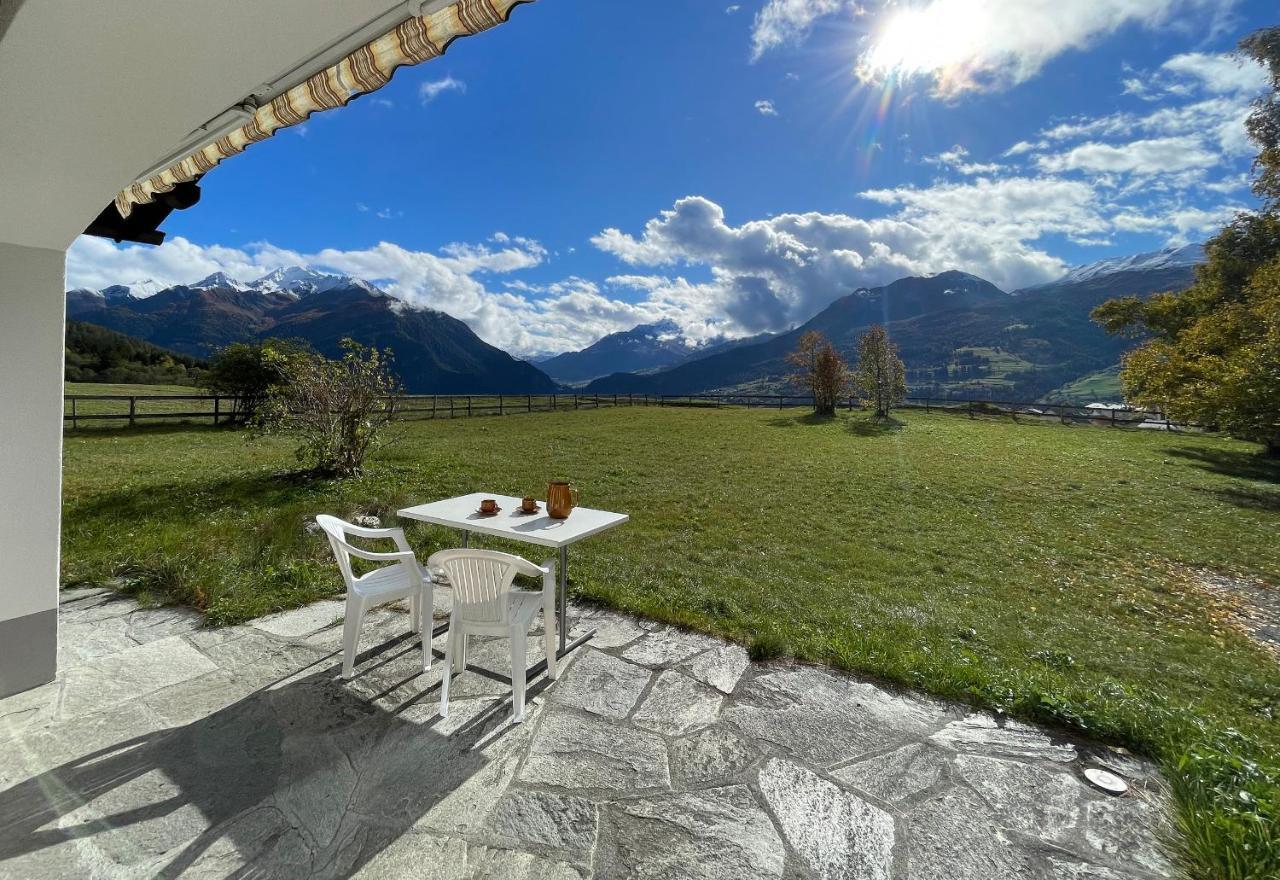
220,280
133,290
303,280
1168,258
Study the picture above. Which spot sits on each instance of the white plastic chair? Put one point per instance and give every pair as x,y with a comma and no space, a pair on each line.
402,578
485,604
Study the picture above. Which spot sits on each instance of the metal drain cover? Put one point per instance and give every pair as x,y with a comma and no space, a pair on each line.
1106,780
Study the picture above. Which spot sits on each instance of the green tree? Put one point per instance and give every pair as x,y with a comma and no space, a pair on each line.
880,377
1212,352
820,370
336,408
246,371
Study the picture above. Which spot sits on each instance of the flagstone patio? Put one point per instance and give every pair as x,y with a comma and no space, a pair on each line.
166,750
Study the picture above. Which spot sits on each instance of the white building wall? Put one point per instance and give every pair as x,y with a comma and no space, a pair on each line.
32,304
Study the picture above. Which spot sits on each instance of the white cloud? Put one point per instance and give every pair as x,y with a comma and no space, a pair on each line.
956,158
433,89
1143,157
766,108
771,273
961,45
781,22
730,10
1219,74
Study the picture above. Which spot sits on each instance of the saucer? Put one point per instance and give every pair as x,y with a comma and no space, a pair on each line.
520,511
494,512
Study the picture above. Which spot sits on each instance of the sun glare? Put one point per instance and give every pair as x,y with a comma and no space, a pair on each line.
934,40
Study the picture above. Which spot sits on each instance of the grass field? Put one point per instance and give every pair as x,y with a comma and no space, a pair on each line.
1046,571
1100,387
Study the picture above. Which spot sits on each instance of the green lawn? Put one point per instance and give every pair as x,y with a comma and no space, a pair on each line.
1042,570
1100,387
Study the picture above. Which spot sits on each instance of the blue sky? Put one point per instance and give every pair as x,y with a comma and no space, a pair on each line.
735,167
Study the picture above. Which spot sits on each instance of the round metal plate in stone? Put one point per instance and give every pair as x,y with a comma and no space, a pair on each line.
1106,780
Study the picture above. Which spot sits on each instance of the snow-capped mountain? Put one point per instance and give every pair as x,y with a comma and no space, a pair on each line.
219,280
132,290
1169,258
303,280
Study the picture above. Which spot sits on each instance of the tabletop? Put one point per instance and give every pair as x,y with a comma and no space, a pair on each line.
463,512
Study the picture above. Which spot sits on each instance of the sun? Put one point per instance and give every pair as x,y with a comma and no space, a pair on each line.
936,40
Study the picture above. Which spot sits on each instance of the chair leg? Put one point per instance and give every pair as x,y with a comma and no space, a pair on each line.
448,672
426,623
519,674
351,635
460,652
415,613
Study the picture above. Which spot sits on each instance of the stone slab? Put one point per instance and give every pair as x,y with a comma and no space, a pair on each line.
131,674
713,834
710,756
827,718
981,733
897,775
667,647
956,837
304,621
581,752
839,835
721,667
1035,799
601,684
677,705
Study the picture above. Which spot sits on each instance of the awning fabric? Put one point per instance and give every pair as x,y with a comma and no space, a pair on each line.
365,70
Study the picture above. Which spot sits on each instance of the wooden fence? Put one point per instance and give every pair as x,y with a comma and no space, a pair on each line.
86,409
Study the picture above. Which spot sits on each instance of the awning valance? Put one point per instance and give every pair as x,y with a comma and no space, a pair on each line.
365,70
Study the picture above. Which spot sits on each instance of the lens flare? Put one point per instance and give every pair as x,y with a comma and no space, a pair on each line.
939,41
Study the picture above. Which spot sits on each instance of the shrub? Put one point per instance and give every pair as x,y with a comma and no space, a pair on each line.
337,408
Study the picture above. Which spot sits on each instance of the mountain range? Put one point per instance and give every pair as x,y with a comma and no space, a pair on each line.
434,353
645,348
959,334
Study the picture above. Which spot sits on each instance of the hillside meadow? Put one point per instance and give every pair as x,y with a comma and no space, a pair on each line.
1046,571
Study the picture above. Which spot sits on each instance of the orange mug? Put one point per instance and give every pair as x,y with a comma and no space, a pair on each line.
562,498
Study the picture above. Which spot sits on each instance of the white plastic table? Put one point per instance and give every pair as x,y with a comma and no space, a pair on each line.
463,513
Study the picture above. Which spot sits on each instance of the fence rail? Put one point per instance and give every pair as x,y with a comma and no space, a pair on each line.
133,409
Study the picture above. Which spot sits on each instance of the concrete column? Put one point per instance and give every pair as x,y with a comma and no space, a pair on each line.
32,307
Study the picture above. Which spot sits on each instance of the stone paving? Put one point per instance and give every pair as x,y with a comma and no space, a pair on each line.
168,750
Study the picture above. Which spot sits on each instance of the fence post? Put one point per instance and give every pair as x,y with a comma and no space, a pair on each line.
451,406
133,405
75,423
217,401
615,400
433,407
575,401
468,406
555,403
970,409
528,403
500,412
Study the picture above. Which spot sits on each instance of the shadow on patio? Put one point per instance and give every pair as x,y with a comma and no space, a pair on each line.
304,776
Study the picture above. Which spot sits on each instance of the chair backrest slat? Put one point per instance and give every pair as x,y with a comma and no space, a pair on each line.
481,581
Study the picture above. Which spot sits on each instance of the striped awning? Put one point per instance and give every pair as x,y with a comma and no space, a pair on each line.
365,70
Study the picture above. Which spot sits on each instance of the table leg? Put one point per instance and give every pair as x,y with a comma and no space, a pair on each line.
466,539
562,616
564,598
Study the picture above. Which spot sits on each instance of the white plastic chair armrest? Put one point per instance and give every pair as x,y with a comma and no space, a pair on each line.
393,534
405,556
